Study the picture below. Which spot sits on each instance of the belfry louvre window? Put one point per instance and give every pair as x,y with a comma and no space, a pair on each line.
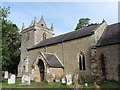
44,36
82,61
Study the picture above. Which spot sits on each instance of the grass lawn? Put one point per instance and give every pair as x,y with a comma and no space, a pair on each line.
106,84
55,84
17,85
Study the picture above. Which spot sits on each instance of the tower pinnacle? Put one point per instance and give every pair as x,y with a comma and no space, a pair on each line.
31,23
52,26
23,26
35,22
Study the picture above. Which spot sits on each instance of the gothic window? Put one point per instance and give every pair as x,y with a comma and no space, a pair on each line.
44,36
82,61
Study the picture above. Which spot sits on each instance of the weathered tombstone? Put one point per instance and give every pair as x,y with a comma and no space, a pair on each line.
77,87
53,77
80,79
49,78
6,75
68,79
57,78
3,74
26,79
75,79
32,74
11,79
63,80
86,84
84,78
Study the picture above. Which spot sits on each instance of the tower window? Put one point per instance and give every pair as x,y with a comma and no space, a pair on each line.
24,68
82,62
44,36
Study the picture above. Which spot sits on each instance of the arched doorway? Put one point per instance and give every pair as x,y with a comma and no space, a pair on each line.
103,66
41,69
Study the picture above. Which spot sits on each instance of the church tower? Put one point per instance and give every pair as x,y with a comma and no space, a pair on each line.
30,36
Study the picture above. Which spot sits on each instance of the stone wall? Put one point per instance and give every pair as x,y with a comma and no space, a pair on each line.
55,71
68,52
111,55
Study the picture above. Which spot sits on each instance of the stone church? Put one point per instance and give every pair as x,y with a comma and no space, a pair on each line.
91,51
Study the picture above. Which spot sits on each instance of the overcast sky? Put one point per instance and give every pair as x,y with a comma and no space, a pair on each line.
64,15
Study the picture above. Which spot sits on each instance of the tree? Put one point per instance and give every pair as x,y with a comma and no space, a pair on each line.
10,42
84,22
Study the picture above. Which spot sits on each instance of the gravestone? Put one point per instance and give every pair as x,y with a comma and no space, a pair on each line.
53,75
26,79
63,80
49,78
86,84
11,79
68,79
57,78
75,79
32,74
6,75
77,87
3,74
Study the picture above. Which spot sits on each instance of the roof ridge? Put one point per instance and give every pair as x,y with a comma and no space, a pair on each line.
67,36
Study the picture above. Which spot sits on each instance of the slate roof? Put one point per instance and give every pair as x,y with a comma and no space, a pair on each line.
66,37
110,36
53,60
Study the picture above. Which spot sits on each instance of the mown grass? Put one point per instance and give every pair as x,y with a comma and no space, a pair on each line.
55,84
17,85
110,84
105,84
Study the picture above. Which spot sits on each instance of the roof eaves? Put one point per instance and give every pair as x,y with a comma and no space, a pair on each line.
60,42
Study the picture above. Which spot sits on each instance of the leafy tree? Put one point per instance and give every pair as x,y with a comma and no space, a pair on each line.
84,22
10,42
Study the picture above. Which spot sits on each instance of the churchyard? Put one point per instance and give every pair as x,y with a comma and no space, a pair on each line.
11,81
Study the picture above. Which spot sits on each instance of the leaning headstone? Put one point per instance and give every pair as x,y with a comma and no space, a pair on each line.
77,87
75,79
49,78
63,80
32,74
68,79
86,84
6,75
57,78
11,79
26,79
53,75
3,75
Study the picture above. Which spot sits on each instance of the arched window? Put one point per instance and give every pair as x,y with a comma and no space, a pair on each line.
103,65
44,36
24,68
82,61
